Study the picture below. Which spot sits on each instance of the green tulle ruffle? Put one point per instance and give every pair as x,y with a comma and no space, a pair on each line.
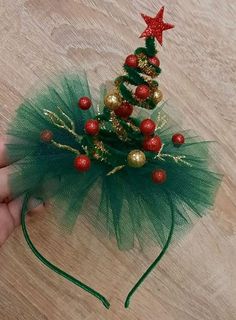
129,205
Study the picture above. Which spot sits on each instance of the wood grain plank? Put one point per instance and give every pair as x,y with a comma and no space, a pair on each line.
197,279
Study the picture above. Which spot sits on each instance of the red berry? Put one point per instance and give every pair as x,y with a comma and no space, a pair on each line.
142,92
125,110
82,163
131,61
46,135
152,144
154,60
147,127
178,139
84,103
91,127
159,176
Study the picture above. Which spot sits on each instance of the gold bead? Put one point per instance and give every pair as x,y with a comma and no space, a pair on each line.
136,159
112,101
157,96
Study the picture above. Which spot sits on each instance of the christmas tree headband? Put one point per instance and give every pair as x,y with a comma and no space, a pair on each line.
151,176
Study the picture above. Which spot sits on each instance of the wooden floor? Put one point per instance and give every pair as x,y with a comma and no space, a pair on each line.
197,278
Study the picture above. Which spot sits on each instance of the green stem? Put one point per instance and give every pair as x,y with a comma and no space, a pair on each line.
96,294
154,264
151,46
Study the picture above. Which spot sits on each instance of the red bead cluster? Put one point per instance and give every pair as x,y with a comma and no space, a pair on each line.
153,143
132,61
150,143
82,163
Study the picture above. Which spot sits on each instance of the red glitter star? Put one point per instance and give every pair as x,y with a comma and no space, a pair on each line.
155,26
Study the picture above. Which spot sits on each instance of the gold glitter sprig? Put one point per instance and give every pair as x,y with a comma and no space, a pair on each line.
116,169
177,159
65,122
161,121
145,66
64,147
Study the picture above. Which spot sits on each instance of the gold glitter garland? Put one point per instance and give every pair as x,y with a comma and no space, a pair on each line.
119,130
145,66
132,126
100,150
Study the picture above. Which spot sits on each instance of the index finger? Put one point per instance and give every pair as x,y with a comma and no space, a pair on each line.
4,161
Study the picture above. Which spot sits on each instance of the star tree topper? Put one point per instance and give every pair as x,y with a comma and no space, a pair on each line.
155,26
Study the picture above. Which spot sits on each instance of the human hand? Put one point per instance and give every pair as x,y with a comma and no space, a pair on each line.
10,209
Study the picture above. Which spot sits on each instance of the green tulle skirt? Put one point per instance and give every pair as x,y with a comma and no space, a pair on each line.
129,206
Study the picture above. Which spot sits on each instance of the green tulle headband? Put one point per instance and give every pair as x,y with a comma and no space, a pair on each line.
152,176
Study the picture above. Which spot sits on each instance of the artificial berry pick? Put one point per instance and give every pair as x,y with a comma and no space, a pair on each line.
156,26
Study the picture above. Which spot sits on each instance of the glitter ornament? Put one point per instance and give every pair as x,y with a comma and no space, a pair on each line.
157,96
112,101
131,61
91,127
84,103
147,127
142,92
125,110
136,159
155,26
178,139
